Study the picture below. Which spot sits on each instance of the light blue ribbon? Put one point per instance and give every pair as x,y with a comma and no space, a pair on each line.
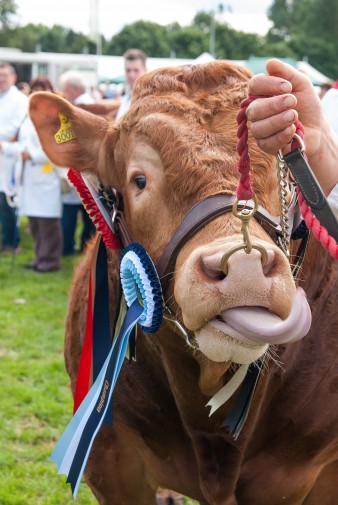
72,451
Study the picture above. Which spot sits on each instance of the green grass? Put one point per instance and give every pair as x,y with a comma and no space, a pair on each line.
35,398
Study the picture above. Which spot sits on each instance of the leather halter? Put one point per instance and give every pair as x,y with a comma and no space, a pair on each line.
197,217
202,213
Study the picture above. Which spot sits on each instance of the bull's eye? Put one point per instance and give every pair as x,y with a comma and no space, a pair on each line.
140,181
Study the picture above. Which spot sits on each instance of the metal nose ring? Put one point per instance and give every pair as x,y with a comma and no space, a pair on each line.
244,215
258,247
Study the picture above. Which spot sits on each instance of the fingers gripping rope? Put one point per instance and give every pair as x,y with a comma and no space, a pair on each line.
245,190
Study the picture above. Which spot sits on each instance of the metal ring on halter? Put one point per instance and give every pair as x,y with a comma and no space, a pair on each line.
299,140
167,314
248,212
244,215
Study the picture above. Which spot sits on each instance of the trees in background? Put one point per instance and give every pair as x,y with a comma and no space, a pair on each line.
7,9
302,29
309,29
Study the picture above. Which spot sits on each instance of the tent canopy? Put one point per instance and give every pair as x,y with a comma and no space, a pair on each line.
257,66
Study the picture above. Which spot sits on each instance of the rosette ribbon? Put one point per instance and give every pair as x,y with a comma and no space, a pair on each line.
143,296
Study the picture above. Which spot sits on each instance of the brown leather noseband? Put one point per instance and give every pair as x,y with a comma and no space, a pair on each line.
200,215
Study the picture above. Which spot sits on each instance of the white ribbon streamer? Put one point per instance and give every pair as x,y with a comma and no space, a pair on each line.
223,395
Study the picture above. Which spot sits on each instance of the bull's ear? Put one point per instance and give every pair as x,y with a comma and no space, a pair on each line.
70,137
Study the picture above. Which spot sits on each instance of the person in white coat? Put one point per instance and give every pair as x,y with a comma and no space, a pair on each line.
13,111
40,193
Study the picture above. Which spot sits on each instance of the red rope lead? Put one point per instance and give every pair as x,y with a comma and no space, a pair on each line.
245,190
319,231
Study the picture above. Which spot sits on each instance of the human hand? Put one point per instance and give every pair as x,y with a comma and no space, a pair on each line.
287,95
25,155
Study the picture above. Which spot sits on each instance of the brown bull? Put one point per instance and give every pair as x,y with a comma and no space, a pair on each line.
175,147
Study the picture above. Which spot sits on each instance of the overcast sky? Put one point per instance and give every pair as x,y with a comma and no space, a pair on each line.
246,15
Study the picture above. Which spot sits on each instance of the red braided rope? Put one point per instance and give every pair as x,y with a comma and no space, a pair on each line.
245,190
109,238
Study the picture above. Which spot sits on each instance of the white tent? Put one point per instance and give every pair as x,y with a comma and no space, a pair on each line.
317,78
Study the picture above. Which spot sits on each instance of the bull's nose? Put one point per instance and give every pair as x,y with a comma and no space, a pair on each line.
203,290
262,261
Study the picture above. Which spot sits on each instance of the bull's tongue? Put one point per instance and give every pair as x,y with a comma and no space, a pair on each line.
262,326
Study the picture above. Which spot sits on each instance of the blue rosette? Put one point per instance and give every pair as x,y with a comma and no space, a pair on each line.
140,281
143,295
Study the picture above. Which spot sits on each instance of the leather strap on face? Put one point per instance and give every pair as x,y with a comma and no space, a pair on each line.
121,229
198,216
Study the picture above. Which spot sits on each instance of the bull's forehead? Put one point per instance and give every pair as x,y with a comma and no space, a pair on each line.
143,156
189,118
194,154
182,131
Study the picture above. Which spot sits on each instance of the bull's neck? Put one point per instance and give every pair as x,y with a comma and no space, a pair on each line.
319,274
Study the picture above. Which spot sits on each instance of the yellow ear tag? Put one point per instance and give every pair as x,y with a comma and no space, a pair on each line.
65,133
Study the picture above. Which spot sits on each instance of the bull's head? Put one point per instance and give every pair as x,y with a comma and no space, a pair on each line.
175,147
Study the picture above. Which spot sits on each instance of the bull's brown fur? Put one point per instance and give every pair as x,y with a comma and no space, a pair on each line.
287,452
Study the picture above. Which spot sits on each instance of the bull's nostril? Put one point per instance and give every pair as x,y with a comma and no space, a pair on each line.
274,265
212,273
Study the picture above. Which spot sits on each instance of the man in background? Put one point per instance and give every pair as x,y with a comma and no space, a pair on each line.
135,62
13,111
74,89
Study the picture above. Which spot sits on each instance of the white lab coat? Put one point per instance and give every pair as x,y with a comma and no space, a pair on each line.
40,191
13,111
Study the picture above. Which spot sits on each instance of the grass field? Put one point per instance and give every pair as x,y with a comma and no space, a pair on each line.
35,399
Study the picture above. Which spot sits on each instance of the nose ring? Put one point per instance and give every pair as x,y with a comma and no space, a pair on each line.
244,215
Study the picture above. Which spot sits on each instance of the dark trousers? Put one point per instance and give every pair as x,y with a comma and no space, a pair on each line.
69,222
10,236
47,236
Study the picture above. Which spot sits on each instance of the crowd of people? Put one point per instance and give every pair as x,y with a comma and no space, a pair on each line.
31,186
